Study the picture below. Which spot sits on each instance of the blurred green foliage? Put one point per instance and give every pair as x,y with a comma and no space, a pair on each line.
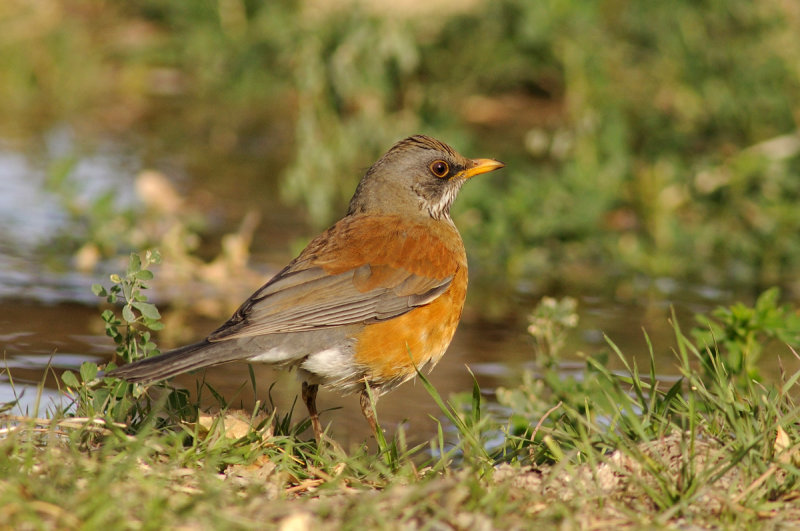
735,337
651,138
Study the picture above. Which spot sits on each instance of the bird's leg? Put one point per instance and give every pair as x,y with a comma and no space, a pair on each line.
310,398
368,407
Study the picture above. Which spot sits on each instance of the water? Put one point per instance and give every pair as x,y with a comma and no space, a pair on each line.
49,320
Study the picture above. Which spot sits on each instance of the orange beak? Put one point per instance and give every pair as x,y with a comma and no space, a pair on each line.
481,166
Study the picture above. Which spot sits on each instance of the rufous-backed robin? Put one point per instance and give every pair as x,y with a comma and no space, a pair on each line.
369,301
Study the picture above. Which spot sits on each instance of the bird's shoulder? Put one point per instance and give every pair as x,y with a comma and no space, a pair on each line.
429,248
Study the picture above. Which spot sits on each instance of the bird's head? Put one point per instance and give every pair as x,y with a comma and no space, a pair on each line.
418,176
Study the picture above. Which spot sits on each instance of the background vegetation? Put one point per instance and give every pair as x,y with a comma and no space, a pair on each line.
641,138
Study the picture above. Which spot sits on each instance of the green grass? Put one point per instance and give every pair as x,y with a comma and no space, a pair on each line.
608,448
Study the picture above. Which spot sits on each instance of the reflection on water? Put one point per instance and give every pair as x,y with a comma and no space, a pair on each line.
30,214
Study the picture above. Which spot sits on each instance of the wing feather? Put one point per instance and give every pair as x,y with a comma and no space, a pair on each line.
310,293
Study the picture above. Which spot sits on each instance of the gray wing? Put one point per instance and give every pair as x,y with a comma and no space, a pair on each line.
311,299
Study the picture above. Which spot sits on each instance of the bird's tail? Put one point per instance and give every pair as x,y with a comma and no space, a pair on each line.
177,361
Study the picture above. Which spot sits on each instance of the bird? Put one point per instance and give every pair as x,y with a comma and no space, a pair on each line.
369,302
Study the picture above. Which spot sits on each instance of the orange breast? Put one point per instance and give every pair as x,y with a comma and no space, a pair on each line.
388,351
391,350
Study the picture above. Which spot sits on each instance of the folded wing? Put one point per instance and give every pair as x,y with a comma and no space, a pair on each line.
340,281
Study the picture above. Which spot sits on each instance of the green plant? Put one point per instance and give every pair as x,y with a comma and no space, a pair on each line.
473,429
735,337
134,341
675,442
111,398
549,324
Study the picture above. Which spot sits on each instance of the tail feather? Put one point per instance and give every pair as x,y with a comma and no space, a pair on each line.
177,361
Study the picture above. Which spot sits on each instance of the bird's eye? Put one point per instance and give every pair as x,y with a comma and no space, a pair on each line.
439,168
